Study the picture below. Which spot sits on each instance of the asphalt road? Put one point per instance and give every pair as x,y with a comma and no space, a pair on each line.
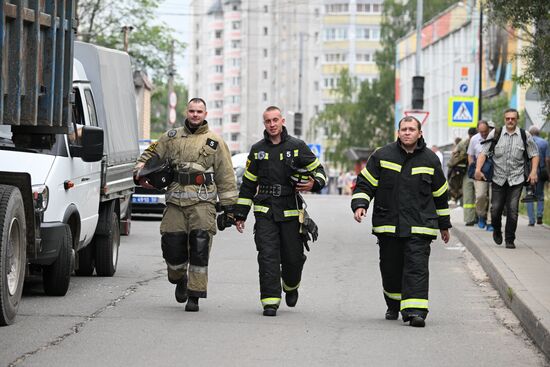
133,319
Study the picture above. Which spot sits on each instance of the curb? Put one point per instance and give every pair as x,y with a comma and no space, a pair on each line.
534,318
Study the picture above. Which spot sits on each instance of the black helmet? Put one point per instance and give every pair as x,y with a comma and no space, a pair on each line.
157,172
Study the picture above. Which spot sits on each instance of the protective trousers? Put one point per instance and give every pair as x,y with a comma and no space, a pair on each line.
405,274
186,240
280,255
468,200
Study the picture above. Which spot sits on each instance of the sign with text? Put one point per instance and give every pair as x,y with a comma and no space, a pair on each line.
464,79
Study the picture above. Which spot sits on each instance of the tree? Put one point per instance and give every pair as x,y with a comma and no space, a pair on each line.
159,107
532,19
150,44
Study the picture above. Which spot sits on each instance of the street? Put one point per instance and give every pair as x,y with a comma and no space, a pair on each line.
133,319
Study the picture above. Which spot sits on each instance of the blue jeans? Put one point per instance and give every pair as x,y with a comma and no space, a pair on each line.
508,195
539,193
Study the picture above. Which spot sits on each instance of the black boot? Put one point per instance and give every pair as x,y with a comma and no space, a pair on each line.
291,298
192,304
270,310
392,314
417,321
181,290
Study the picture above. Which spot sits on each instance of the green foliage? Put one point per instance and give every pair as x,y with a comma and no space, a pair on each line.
150,43
159,107
493,109
532,19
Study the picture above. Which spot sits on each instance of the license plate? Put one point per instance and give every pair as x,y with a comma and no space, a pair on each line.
144,200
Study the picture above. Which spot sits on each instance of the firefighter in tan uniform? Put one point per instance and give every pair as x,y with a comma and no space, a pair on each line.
202,174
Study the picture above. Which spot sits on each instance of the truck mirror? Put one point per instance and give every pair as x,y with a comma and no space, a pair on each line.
91,149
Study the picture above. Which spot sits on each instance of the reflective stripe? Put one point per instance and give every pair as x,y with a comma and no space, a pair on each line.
424,230
177,267
198,269
291,213
259,208
281,156
442,212
250,176
296,152
414,303
228,194
426,170
320,175
384,229
360,195
373,181
390,165
395,296
271,301
313,165
288,289
469,206
244,201
441,190
191,195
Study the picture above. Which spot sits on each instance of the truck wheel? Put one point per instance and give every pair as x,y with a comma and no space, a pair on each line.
13,255
85,261
106,248
57,276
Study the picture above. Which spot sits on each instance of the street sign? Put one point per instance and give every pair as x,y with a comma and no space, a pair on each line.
421,116
317,149
173,99
464,79
463,111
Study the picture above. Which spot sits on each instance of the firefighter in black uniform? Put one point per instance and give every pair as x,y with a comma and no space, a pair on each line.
410,194
278,168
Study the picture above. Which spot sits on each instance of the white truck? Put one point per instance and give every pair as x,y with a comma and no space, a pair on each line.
68,144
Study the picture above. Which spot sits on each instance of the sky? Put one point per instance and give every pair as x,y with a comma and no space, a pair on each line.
176,14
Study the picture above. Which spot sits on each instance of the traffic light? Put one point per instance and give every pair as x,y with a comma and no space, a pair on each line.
298,123
418,93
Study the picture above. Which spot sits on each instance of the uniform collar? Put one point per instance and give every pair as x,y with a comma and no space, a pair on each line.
420,144
200,130
284,136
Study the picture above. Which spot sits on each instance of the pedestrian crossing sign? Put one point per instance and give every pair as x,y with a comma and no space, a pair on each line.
463,111
317,149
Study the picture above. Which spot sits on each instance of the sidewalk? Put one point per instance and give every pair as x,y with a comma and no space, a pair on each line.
521,275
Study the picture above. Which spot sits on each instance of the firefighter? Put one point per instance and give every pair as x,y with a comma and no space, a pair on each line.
202,173
278,168
410,194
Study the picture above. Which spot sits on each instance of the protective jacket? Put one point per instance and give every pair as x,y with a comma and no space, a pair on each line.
409,190
200,166
268,179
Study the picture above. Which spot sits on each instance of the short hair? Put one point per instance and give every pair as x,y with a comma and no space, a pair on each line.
483,122
272,108
533,130
410,118
512,110
197,100
472,131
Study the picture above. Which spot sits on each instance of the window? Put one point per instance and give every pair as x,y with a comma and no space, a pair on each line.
363,8
364,57
315,85
91,107
236,44
266,9
233,100
368,33
218,104
197,45
264,97
218,34
218,51
316,60
218,69
235,62
336,57
337,8
264,74
236,25
265,31
336,34
235,118
265,52
217,86
235,136
376,8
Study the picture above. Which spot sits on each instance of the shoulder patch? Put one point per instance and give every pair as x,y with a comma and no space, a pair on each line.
171,133
212,143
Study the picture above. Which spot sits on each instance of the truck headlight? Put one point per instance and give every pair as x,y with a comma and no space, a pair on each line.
41,195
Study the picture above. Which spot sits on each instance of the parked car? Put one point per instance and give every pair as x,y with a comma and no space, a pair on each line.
145,201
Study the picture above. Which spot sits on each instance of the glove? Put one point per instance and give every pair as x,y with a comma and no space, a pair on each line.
226,218
311,228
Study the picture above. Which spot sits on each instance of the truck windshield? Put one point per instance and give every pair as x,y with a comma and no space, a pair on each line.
30,143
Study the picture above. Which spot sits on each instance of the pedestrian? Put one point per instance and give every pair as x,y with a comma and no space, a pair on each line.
511,149
542,174
482,189
458,177
279,167
410,194
202,174
340,184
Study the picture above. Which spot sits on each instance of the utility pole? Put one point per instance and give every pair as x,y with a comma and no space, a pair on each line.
418,80
300,70
172,100
126,30
480,67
